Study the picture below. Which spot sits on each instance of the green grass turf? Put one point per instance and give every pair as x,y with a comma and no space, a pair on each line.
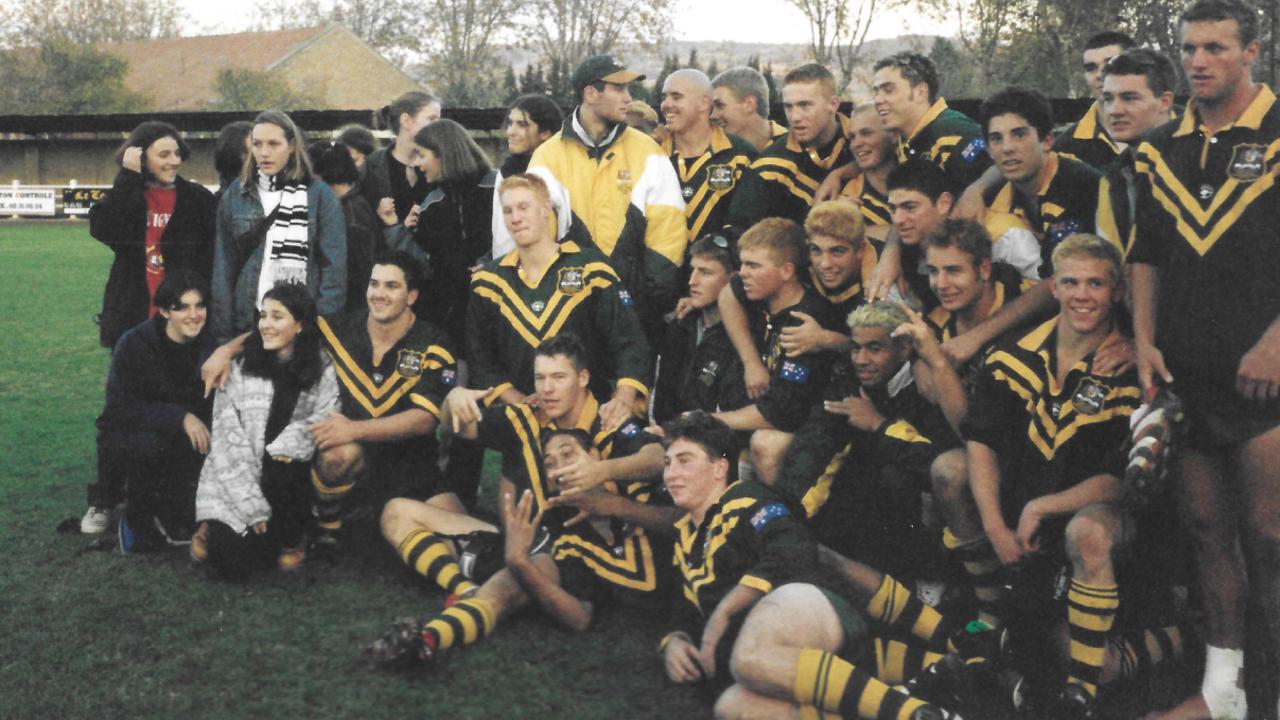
87,634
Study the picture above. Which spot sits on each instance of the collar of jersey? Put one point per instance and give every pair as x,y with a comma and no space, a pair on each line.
573,127
1006,199
512,259
939,106
1251,118
588,415
842,131
719,142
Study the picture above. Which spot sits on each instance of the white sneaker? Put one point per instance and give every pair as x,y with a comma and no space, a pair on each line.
95,520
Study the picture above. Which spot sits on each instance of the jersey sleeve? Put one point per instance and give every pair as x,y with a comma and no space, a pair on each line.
787,549
618,326
484,354
439,376
1149,227
989,410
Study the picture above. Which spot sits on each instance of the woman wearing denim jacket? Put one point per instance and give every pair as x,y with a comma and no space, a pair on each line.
276,223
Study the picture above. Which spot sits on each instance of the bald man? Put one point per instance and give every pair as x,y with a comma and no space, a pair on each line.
709,162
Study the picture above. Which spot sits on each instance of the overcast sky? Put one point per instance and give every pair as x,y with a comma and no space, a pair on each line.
740,20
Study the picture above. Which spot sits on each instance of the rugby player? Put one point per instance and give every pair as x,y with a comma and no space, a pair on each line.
424,534
789,171
1089,140
1044,437
751,609
603,178
1206,307
709,162
698,368
541,289
768,291
1137,97
875,154
740,105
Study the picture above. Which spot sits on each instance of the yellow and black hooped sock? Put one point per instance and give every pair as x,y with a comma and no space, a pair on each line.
894,605
1091,611
428,555
1142,650
826,682
465,622
983,567
329,500
898,662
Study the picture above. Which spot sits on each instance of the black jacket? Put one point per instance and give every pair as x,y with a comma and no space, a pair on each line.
364,243
119,221
154,382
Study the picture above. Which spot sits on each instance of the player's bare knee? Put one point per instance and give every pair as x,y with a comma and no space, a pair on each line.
949,474
394,518
340,462
1091,537
733,704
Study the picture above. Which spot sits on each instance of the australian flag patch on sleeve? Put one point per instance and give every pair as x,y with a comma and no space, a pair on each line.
974,149
793,371
631,429
449,378
624,297
768,514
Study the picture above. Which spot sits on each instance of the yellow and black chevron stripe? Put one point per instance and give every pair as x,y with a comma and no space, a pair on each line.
633,568
377,398
534,327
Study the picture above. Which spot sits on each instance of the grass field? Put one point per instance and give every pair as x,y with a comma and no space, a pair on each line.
87,634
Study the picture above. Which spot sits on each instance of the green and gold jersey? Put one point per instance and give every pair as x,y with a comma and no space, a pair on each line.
952,141
509,316
748,537
1048,436
1208,213
786,177
1088,141
1066,203
417,372
875,206
622,555
708,181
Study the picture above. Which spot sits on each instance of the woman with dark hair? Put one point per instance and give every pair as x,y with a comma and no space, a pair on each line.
332,162
360,142
255,495
230,152
392,172
453,234
531,121
154,221
276,223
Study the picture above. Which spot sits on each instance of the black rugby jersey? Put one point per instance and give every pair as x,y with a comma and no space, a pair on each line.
708,181
1088,141
786,176
874,205
1208,214
1067,203
1048,437
952,141
507,319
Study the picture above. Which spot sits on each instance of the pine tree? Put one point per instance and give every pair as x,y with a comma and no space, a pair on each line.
510,88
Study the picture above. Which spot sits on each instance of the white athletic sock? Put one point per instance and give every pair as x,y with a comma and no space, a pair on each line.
1223,686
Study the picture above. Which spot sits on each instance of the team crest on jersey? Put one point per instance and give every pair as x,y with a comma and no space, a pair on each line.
409,363
720,177
1090,397
570,280
686,192
624,179
974,149
707,376
1247,162
537,306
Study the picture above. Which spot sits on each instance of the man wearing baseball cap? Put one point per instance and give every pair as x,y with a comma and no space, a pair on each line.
614,184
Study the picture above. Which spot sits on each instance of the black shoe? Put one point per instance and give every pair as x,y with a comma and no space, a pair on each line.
941,683
1075,703
930,712
402,646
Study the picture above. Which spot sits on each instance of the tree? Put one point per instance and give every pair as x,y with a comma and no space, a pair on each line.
35,23
713,68
838,29
245,89
670,64
693,63
532,82
395,28
566,32
461,37
62,78
510,85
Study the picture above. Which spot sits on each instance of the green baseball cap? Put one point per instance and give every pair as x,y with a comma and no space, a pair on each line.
602,67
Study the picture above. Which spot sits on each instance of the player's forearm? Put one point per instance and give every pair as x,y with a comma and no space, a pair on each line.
409,423
734,319
747,418
737,601
952,398
641,465
547,593
1036,300
837,341
984,484
659,519
1097,489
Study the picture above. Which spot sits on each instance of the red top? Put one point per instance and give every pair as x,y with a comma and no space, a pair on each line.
160,202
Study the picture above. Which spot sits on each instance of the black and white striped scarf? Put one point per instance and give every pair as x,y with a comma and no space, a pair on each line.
286,251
